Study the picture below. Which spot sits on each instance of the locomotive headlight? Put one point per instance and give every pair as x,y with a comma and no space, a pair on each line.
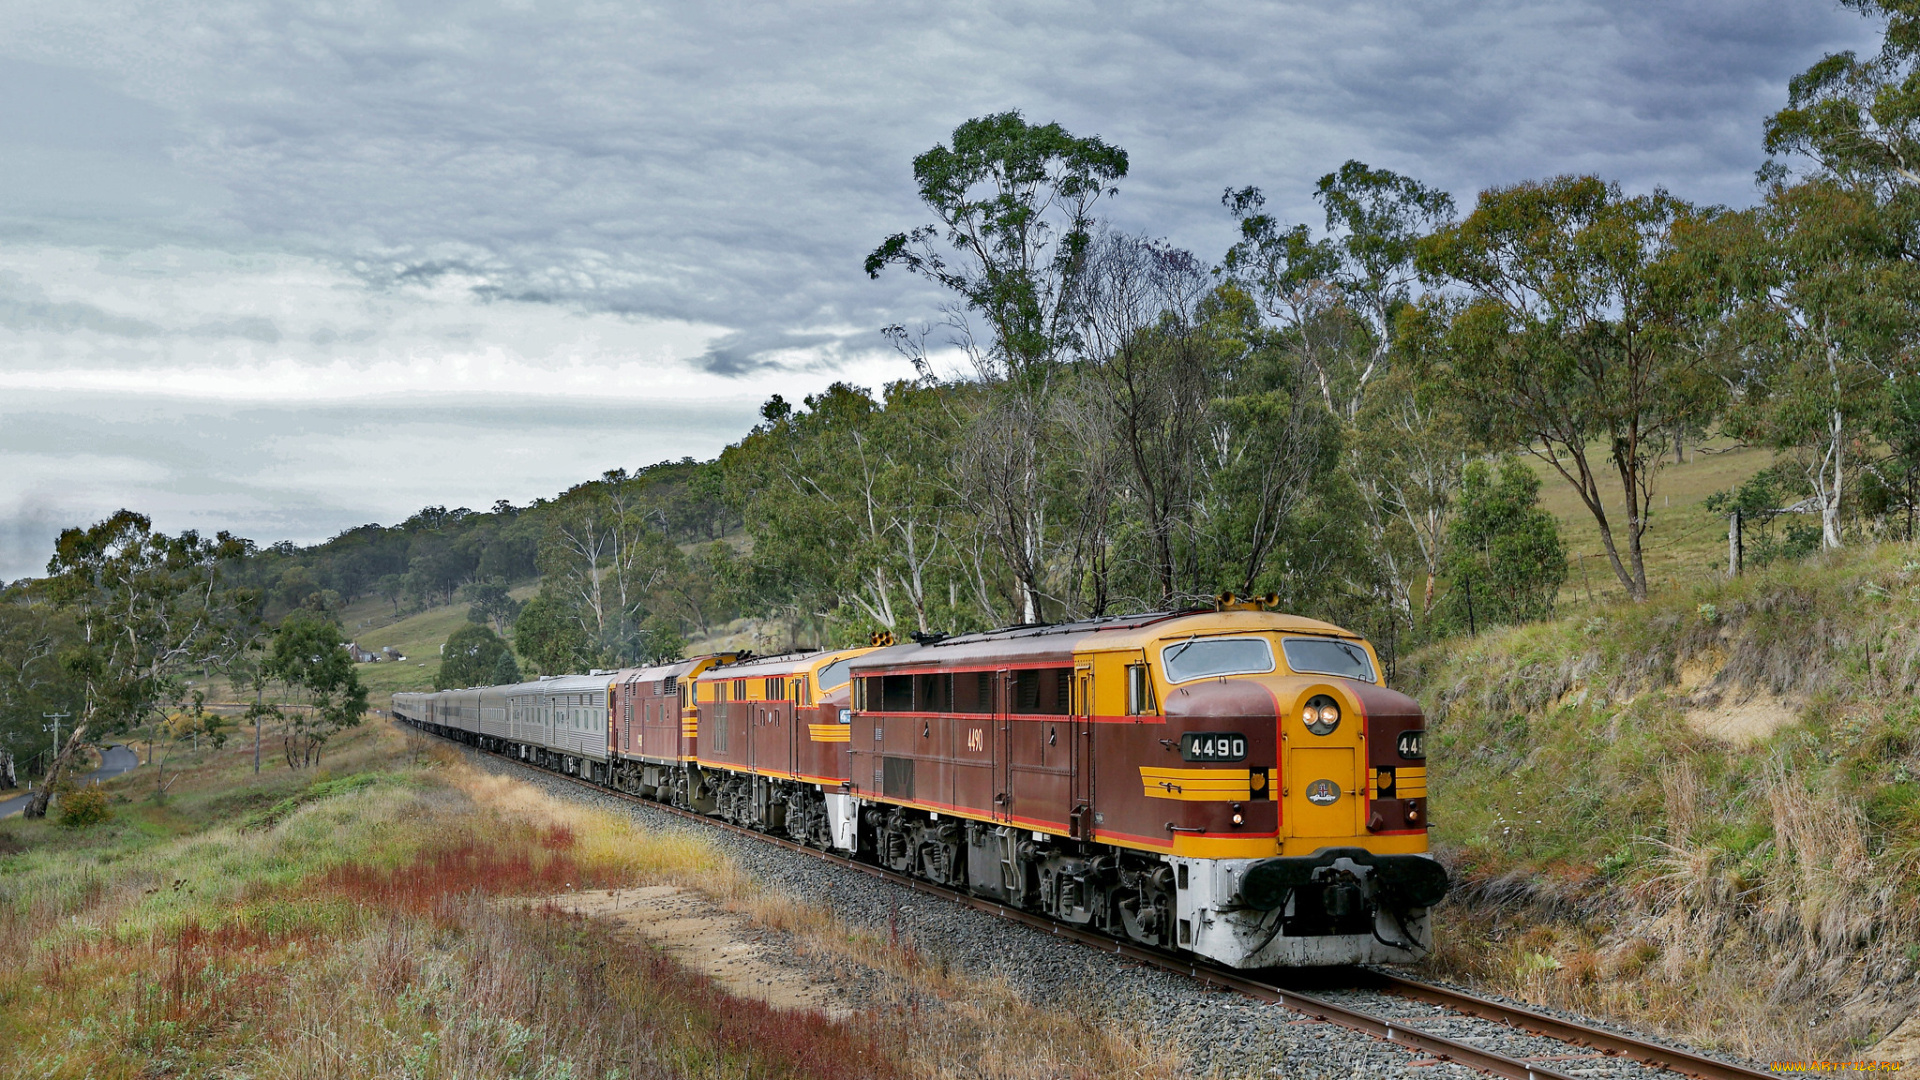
1321,715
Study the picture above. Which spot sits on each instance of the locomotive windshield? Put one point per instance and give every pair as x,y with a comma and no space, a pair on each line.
1199,658
835,674
1324,656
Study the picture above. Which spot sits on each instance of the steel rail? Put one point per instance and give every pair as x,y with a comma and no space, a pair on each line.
1611,1043
1439,1047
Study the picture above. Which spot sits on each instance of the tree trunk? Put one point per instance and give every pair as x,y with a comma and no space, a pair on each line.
37,806
1830,485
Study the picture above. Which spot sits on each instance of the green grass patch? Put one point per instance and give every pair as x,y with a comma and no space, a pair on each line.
314,792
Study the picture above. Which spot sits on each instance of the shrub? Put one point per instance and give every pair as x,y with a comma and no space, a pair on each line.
84,807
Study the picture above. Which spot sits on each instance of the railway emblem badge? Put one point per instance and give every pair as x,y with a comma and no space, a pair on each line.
1323,792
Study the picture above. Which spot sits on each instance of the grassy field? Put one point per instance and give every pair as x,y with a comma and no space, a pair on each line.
390,916
372,624
1685,544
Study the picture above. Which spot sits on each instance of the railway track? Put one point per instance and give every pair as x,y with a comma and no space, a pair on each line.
1596,1044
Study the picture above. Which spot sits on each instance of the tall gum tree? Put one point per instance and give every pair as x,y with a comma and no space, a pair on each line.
1578,338
1825,310
1829,289
1014,204
1152,372
147,606
1338,300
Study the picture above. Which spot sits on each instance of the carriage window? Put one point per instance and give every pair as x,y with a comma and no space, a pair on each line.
834,674
1199,658
1043,691
1325,656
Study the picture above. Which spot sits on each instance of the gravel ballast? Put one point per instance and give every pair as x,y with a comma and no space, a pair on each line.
1219,1033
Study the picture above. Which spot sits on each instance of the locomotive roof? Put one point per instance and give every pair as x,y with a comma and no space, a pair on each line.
1056,643
783,664
654,672
762,666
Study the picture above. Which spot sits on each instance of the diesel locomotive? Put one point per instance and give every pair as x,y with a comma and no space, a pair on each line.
1236,784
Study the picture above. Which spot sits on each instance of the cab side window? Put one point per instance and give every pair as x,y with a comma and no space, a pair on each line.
1139,690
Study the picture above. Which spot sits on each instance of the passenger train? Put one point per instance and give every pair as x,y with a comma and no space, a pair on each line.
1236,784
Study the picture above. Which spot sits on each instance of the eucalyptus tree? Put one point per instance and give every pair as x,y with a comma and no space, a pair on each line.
1014,204
849,497
33,682
1269,451
1832,289
146,607
1503,552
1826,313
305,655
1858,117
469,658
1580,333
550,636
1152,368
1337,300
604,555
1340,294
1414,442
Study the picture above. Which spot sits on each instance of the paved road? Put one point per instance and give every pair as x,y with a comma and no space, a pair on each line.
114,761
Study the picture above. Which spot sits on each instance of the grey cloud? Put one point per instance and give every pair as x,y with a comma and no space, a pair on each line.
68,109
732,165
255,328
27,307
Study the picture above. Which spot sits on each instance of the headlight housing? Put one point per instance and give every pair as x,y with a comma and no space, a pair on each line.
1321,715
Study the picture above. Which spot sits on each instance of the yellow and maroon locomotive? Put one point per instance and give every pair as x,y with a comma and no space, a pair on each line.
1236,784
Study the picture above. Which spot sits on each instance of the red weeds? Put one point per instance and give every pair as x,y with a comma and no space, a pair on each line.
558,838
464,867
773,1042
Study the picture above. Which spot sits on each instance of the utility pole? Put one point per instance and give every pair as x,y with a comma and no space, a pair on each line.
54,727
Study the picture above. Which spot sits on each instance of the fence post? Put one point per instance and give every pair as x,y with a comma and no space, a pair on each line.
1736,553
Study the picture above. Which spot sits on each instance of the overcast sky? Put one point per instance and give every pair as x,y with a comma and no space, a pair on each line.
291,268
